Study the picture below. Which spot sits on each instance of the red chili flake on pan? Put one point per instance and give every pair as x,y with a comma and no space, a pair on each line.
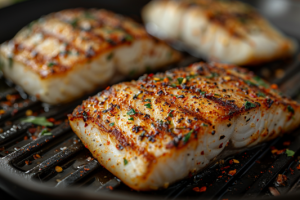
231,162
110,187
150,75
232,172
197,189
107,88
298,167
287,143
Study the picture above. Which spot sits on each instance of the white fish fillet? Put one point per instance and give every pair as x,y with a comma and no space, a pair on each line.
155,131
69,53
224,31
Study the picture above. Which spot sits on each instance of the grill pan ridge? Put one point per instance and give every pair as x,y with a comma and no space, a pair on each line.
27,163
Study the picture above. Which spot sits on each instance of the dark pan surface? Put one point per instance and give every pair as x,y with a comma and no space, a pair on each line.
84,178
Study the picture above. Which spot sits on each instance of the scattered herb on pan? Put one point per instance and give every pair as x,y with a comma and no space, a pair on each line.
51,64
170,114
250,83
290,153
131,119
10,61
125,161
148,105
180,79
190,77
202,93
170,79
261,94
187,136
42,121
131,112
89,15
110,56
260,81
74,23
290,109
249,105
45,132
147,100
213,75
204,125
128,38
111,124
218,95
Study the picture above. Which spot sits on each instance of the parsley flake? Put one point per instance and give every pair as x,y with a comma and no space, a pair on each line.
170,114
147,100
148,105
202,93
260,81
250,83
51,64
261,94
187,136
131,112
125,161
249,105
42,121
213,75
204,125
45,132
110,56
111,124
180,79
131,118
290,153
290,109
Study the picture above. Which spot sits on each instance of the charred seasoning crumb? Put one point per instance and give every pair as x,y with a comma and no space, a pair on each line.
197,189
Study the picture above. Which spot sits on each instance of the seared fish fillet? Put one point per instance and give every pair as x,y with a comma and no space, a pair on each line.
155,131
63,55
225,31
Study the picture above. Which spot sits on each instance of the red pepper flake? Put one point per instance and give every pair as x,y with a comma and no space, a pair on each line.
110,187
292,171
232,172
274,86
150,75
26,162
281,179
32,130
107,88
287,143
298,167
231,162
25,138
197,189
36,156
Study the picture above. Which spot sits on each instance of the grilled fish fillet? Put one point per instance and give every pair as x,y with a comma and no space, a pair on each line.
157,130
225,31
63,55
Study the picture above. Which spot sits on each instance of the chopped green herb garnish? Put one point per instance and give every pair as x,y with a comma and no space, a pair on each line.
260,82
129,38
217,95
250,83
202,93
45,132
187,136
42,121
148,105
170,79
173,85
290,153
204,125
147,100
10,61
249,105
170,114
125,161
190,77
89,15
180,79
131,118
213,75
261,94
74,23
51,64
290,109
110,56
112,124
131,112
